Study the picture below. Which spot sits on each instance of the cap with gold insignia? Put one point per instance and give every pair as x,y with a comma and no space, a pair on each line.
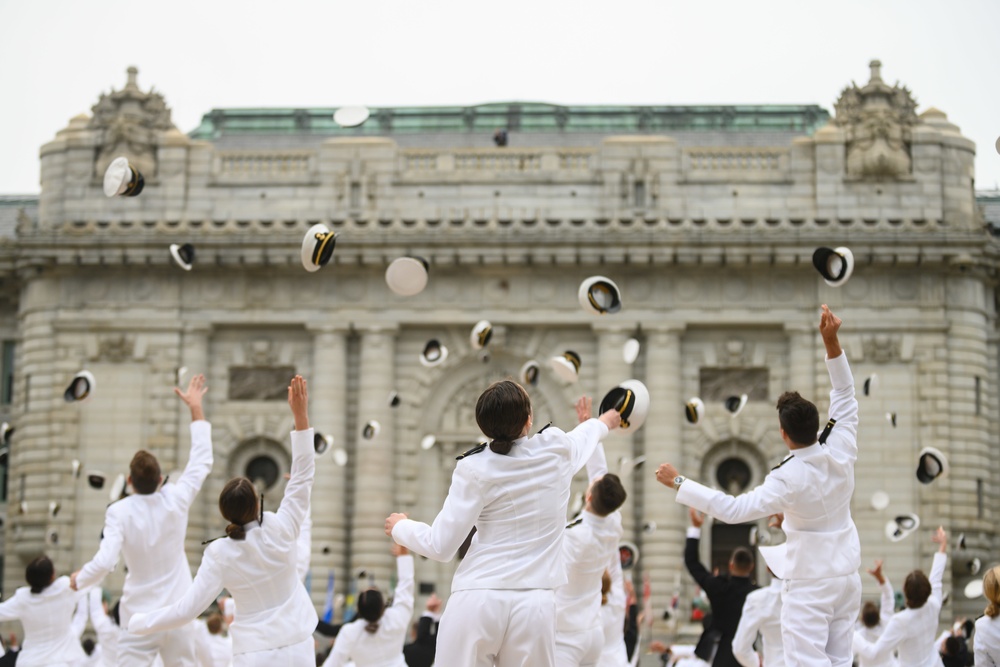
631,399
317,247
434,353
183,255
931,465
529,373
81,387
121,179
95,479
694,410
835,264
630,351
735,404
351,116
567,366
407,276
901,526
371,430
481,334
600,295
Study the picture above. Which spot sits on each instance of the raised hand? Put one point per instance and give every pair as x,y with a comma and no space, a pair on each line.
583,408
399,550
192,397
612,419
940,537
697,518
391,521
877,572
829,325
298,401
666,473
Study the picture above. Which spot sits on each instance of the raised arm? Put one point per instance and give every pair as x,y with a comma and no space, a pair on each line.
887,603
106,558
888,640
295,505
692,561
587,435
441,540
204,589
765,500
397,617
940,537
597,464
200,459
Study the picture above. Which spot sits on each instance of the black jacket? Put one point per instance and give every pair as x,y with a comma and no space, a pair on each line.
727,595
421,652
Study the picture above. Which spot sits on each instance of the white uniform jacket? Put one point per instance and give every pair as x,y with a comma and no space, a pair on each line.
813,487
46,617
384,647
588,546
761,613
149,530
911,631
987,641
517,502
887,607
273,609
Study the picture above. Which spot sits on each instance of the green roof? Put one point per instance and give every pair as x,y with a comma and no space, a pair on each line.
519,117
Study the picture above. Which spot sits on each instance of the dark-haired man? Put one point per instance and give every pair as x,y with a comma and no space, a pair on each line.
148,528
821,593
589,547
726,593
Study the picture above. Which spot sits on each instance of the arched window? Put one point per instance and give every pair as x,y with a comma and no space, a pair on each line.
260,459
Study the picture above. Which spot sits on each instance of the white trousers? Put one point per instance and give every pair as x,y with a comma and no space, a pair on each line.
176,647
505,628
303,653
579,649
817,620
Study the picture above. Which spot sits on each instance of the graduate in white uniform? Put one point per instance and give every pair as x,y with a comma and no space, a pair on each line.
106,626
376,637
813,488
874,621
46,608
987,636
515,492
913,631
588,546
761,614
257,564
148,529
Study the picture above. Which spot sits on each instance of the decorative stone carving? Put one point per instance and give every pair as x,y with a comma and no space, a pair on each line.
881,348
115,348
131,121
877,120
259,383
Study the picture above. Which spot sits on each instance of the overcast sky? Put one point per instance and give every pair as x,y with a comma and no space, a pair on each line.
57,56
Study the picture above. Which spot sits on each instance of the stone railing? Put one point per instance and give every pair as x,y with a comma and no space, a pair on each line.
736,164
264,166
480,161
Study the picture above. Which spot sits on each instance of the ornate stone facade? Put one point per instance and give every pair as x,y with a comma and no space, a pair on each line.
705,217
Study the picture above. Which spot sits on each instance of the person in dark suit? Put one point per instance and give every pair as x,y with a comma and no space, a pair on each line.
726,593
420,652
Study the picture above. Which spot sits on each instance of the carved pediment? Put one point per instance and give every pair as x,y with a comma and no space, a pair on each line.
131,121
878,119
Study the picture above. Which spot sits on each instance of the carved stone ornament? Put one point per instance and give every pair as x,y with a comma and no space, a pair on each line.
131,121
881,348
115,348
878,120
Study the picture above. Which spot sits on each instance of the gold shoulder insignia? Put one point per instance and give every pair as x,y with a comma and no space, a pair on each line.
786,460
577,522
475,450
826,431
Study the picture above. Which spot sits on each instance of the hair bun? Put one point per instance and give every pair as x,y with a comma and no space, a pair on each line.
501,446
235,531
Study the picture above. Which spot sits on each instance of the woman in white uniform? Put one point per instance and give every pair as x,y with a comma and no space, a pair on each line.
515,492
274,617
45,608
987,637
376,638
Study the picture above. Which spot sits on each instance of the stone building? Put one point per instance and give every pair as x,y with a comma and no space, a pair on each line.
705,216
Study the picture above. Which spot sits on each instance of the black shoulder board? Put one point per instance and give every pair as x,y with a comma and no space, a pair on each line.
475,450
786,460
826,431
575,523
544,427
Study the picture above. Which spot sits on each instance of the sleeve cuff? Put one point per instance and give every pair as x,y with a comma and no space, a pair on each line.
694,533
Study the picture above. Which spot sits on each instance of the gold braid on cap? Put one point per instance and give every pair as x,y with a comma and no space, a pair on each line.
133,182
323,239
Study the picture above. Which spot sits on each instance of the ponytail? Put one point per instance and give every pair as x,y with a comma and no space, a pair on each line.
370,608
235,531
991,589
501,446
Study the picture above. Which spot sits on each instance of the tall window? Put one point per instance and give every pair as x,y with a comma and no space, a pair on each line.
7,370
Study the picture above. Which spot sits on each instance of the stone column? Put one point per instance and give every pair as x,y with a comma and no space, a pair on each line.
612,369
805,360
328,403
204,515
662,552
373,497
